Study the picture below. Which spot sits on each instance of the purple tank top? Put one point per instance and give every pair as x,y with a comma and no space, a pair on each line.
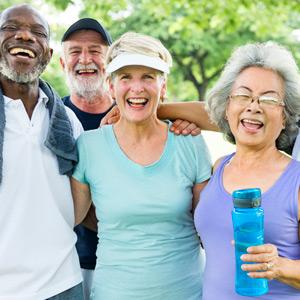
214,226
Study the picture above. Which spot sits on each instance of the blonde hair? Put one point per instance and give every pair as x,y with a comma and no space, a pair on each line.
137,43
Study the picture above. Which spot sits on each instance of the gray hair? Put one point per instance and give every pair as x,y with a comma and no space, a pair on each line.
265,55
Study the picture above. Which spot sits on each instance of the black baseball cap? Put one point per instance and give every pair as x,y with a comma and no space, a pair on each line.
87,24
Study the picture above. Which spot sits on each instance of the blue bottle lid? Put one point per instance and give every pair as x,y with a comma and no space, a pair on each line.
247,198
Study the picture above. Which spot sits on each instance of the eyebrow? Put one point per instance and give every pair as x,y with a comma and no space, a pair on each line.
263,93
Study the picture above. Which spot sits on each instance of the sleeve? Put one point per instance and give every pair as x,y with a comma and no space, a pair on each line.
79,172
203,159
76,125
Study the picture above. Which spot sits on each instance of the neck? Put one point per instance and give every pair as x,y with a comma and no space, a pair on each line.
27,92
246,156
138,132
96,104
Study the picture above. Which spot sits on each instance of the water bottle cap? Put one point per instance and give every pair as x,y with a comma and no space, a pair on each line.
247,198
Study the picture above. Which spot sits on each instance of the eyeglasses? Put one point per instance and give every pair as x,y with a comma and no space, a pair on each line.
264,101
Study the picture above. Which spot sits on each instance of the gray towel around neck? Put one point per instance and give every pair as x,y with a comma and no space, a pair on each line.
59,140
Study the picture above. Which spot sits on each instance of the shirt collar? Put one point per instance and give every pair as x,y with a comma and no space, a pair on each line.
42,98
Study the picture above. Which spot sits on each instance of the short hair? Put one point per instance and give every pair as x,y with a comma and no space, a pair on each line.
270,56
137,43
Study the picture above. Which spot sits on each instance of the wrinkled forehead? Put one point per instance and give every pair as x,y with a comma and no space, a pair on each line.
24,14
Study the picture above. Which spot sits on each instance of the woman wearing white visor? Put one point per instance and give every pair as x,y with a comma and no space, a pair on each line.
144,182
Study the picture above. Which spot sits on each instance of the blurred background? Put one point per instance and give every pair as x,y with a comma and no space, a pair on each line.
200,35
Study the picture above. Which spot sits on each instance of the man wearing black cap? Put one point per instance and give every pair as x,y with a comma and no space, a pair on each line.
84,47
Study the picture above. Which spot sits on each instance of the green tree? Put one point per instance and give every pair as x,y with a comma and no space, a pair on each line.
199,34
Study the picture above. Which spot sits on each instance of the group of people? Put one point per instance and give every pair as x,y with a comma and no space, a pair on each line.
149,193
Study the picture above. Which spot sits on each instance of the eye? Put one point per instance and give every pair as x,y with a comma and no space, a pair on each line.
149,76
40,33
9,27
269,100
124,76
74,52
241,97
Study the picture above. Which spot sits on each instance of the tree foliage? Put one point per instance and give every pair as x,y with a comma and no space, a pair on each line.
200,34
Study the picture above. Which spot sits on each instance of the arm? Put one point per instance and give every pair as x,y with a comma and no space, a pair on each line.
90,221
194,112
197,188
82,199
188,116
270,265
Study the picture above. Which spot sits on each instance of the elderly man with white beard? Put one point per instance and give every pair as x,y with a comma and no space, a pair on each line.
84,46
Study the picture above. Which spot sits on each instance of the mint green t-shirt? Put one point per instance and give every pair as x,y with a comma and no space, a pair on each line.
148,246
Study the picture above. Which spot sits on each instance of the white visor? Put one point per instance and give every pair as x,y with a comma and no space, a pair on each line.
124,60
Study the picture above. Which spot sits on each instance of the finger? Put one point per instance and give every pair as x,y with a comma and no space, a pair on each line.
266,248
257,258
175,124
268,275
256,267
182,128
189,128
113,120
196,131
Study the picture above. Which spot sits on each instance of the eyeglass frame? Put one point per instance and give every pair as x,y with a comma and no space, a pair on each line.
278,102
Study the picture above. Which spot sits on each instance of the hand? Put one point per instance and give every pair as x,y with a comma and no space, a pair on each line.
185,128
111,117
266,261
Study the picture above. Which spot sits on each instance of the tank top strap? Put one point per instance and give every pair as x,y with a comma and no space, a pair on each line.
222,164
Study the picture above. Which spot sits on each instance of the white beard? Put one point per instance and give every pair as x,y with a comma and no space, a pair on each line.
87,88
18,77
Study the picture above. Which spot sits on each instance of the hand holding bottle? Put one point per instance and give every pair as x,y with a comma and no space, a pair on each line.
265,262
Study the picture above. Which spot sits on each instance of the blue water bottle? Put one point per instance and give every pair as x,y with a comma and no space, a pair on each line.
248,225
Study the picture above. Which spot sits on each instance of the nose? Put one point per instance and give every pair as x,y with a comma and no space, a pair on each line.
254,106
25,35
137,86
85,58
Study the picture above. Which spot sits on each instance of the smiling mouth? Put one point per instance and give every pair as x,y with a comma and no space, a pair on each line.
22,52
252,124
86,71
137,102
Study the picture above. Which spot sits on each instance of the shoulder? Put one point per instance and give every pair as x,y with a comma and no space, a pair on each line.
95,135
189,141
76,125
65,99
221,160
217,163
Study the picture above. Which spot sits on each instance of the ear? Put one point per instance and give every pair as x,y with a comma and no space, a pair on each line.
163,91
111,87
62,63
226,111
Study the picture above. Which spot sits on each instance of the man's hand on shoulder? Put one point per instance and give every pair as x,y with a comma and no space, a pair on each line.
111,117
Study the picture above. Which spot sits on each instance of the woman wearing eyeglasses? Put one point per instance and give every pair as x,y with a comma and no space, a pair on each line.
256,104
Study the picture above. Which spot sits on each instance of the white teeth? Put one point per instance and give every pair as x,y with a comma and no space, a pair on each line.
86,71
15,51
252,121
137,100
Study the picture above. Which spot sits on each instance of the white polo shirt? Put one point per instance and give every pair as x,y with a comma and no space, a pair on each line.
38,258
